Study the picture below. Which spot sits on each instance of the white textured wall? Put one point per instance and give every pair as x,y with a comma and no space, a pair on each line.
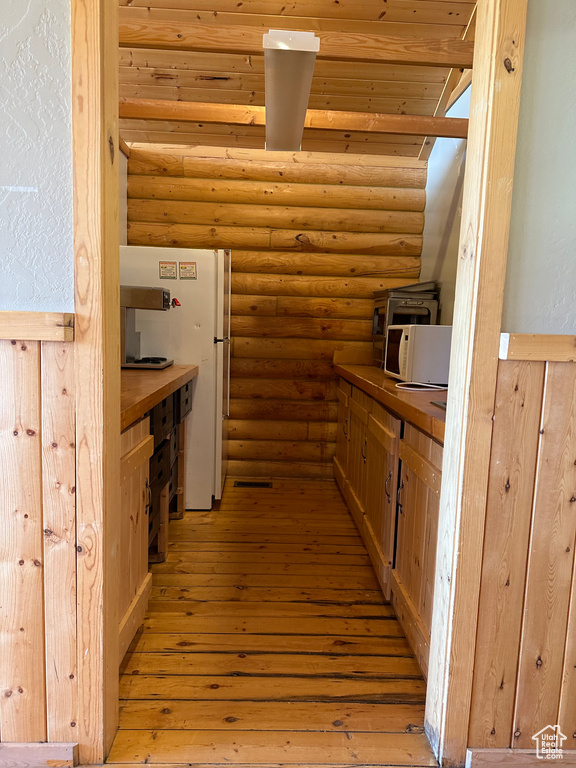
36,233
444,212
540,293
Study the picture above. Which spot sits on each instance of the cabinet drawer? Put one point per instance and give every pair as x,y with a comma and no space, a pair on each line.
162,420
173,484
183,402
160,464
174,444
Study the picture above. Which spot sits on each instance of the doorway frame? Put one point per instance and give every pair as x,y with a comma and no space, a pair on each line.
481,275
499,46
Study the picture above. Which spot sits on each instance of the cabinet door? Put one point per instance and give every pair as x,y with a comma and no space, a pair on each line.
342,435
381,486
137,445
418,497
359,411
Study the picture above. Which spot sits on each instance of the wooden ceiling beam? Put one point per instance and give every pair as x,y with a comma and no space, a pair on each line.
306,21
333,45
405,11
417,125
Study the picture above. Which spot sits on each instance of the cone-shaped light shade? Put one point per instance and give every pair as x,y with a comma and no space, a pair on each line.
289,59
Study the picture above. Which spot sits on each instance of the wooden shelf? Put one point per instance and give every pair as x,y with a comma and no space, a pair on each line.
37,326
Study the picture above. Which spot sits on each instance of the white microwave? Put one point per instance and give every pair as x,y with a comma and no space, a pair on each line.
418,353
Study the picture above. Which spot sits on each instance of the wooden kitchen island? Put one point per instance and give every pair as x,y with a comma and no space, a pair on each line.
153,405
389,468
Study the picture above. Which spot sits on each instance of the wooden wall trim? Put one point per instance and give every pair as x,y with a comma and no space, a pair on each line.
537,347
37,326
477,324
97,368
63,755
517,758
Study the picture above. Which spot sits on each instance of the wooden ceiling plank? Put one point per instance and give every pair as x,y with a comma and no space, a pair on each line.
259,131
309,23
455,12
333,45
247,142
147,109
387,105
449,86
254,64
185,78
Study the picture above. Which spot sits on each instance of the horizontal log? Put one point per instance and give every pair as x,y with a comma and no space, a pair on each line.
190,36
255,368
198,236
217,62
289,410
260,238
259,192
453,12
285,217
264,306
358,242
324,119
303,158
302,328
322,430
325,264
250,429
302,306
284,389
254,81
257,169
379,148
246,468
295,349
281,450
305,285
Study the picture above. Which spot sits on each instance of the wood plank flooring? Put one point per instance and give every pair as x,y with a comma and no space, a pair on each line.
268,643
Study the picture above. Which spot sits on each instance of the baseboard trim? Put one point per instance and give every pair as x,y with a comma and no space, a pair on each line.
38,755
519,758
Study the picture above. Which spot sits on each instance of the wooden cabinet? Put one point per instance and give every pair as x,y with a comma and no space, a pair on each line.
134,583
357,457
381,488
415,561
343,428
390,474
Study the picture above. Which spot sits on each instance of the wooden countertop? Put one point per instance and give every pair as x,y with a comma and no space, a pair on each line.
414,407
142,390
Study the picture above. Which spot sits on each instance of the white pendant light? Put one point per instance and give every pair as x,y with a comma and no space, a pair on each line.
289,59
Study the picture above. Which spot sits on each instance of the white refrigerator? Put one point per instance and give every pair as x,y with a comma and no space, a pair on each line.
198,333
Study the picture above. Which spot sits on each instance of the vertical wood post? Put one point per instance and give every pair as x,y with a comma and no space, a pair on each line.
494,110
97,366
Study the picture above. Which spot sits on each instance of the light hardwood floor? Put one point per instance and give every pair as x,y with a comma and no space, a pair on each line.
267,642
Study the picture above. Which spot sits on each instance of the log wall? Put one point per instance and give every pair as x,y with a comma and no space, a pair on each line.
312,236
525,665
